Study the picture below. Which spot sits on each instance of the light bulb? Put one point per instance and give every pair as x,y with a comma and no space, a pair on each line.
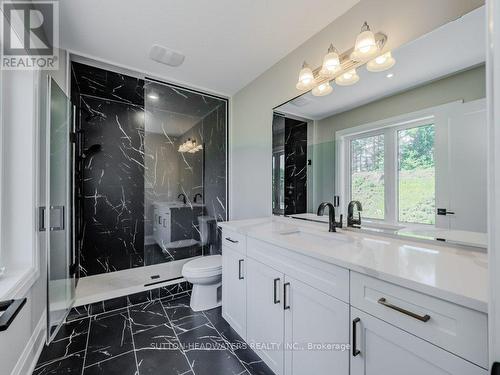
322,90
331,63
306,78
366,46
381,63
348,78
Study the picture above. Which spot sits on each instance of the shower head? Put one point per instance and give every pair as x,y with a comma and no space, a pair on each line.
91,151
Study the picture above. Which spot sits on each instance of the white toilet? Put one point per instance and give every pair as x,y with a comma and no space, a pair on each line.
205,274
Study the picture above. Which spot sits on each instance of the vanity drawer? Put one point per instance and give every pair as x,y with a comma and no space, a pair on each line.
234,240
455,328
328,278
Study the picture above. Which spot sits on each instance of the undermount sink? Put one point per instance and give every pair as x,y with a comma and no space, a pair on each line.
315,238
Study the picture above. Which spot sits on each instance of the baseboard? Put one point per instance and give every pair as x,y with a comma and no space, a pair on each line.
27,362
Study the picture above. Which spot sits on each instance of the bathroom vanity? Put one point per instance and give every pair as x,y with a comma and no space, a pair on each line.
309,301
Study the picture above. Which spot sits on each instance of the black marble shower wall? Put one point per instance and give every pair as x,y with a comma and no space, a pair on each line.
110,181
295,166
176,117
136,163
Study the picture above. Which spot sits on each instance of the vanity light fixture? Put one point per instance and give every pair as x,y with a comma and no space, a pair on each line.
331,63
348,78
381,63
190,146
341,67
306,78
366,46
322,89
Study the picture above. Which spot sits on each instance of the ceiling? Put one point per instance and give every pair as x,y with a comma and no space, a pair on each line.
454,47
227,43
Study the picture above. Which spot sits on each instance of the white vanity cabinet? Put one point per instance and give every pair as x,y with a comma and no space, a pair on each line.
381,348
316,331
234,289
265,328
303,315
293,322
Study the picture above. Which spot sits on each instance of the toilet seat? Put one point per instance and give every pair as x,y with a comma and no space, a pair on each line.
203,267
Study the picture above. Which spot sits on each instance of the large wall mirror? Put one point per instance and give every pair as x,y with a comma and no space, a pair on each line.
408,143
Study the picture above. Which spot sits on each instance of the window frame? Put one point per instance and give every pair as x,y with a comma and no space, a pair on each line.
389,127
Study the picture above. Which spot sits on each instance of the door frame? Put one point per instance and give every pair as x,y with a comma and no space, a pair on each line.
493,109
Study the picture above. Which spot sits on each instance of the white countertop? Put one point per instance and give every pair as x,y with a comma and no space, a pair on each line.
422,232
455,274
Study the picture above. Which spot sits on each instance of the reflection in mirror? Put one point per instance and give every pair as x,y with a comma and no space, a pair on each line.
408,143
185,172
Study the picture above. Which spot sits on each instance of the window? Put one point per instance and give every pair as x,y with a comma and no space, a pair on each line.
367,174
391,171
416,175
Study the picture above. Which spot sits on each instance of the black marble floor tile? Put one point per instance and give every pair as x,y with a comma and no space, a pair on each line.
141,297
109,335
108,305
78,313
121,365
174,290
208,352
162,361
156,337
241,349
147,315
71,338
182,317
71,365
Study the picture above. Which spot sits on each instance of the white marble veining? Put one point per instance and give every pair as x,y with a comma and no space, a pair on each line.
454,274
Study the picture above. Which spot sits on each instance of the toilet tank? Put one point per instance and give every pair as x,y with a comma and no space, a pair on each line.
205,223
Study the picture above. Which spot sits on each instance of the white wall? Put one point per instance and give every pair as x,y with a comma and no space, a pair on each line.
251,109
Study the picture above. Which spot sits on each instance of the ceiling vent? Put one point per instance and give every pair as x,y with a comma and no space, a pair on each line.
166,55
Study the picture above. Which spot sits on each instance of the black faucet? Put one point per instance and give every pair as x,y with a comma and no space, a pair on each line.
351,221
332,224
196,196
183,198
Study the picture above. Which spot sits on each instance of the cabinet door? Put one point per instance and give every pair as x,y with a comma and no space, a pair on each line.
385,349
265,313
234,290
316,331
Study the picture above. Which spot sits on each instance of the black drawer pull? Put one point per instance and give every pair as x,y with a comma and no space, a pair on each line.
422,318
231,240
10,310
355,350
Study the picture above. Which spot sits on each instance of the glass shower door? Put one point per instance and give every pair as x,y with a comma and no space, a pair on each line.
60,275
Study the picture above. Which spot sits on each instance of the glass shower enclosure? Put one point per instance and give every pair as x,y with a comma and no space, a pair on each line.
57,216
185,192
